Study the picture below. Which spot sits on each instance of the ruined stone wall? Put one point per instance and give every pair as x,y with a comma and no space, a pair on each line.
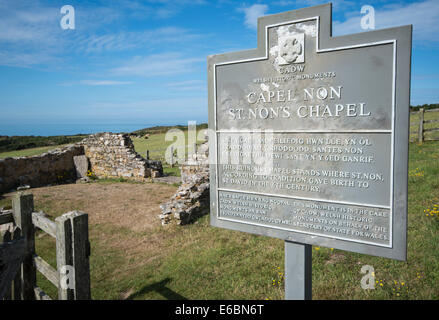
55,166
192,197
112,156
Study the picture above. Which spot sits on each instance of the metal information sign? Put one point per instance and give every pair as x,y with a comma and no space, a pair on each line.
311,135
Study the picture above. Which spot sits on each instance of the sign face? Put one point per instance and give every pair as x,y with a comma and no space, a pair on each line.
311,135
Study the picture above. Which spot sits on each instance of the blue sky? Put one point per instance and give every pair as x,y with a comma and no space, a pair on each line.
132,64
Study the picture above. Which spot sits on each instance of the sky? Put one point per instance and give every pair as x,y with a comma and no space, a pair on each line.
127,65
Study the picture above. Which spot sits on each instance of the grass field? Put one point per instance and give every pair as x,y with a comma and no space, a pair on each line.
414,126
13,143
134,257
29,152
156,143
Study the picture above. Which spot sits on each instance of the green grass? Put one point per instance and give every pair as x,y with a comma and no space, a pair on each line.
29,152
27,142
157,145
201,262
164,129
5,203
414,126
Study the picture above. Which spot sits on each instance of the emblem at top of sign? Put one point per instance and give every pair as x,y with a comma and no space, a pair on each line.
291,49
288,44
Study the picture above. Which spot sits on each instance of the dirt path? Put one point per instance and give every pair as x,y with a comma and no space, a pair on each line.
129,205
125,232
168,179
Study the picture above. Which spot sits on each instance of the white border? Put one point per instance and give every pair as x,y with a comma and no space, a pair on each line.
318,50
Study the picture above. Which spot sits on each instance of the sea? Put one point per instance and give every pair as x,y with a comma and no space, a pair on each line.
38,129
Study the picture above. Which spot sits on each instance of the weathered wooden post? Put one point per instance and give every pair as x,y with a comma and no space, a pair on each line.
17,280
421,126
72,253
12,252
81,254
7,237
23,206
64,255
171,159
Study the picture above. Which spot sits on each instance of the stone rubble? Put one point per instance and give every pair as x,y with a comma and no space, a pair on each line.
192,197
107,155
81,166
55,166
112,155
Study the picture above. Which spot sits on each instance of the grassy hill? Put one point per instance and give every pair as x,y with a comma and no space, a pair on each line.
425,106
134,257
155,143
22,146
29,152
164,129
15,143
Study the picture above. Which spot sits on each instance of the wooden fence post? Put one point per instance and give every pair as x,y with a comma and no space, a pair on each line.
421,126
23,206
64,256
172,157
7,237
147,154
13,250
17,279
73,252
81,256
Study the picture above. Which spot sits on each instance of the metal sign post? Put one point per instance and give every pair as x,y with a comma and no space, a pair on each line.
298,271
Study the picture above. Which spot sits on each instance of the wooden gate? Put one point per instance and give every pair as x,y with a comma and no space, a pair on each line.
12,254
19,262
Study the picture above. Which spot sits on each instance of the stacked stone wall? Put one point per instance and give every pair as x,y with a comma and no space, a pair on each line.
192,198
52,167
113,156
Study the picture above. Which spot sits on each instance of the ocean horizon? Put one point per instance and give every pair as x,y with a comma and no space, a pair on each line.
73,129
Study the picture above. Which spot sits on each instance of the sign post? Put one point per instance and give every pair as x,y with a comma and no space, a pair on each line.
310,139
298,271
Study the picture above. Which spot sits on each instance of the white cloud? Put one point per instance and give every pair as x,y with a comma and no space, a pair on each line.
423,15
104,82
95,83
128,40
157,9
30,34
309,3
157,65
19,24
252,13
25,60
